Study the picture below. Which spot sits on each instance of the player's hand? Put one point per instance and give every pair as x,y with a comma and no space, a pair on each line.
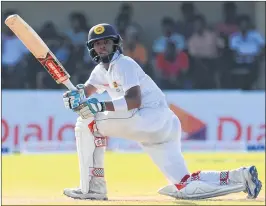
89,107
72,99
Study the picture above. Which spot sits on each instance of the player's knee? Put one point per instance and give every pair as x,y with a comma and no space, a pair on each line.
82,124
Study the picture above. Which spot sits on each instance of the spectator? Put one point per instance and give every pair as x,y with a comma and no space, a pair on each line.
55,41
171,68
82,69
78,34
248,46
203,47
168,27
185,27
133,48
124,18
82,72
78,29
225,29
13,58
60,48
229,26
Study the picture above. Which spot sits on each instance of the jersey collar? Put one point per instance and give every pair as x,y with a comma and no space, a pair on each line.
116,56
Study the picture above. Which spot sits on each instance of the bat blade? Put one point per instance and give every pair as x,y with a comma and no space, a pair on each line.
39,49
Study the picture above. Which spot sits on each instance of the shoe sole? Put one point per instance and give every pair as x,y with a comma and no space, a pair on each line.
78,198
254,178
222,191
86,198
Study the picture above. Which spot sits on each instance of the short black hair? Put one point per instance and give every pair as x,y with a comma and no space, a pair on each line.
80,17
126,6
9,12
171,43
229,5
243,17
77,15
187,6
200,17
167,21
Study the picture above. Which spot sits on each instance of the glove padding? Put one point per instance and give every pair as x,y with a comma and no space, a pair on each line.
89,108
72,99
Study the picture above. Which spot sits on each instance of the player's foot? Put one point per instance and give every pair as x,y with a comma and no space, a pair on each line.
253,184
77,194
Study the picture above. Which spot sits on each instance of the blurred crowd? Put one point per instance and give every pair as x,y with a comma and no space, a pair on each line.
189,54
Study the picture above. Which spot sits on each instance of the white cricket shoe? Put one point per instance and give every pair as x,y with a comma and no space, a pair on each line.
243,179
197,189
76,193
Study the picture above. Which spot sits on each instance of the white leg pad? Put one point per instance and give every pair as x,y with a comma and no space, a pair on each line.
200,190
90,148
98,183
85,149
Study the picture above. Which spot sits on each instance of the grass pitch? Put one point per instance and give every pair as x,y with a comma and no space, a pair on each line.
132,179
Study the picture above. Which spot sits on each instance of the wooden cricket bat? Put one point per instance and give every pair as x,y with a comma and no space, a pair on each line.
39,49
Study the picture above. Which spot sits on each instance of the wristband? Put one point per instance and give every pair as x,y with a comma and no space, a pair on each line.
120,104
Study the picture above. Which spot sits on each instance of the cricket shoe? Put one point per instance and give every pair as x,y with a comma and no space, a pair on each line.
253,184
197,189
76,193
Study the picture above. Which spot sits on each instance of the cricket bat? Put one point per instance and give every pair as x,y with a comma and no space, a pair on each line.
39,49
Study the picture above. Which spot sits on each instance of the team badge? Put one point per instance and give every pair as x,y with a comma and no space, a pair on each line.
99,29
115,85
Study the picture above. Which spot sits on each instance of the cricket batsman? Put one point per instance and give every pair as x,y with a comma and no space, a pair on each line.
138,111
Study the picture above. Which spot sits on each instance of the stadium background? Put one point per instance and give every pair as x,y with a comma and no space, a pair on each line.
217,117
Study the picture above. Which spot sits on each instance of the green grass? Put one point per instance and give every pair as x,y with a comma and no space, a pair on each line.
131,178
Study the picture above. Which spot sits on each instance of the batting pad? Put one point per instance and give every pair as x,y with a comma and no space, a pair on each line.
85,149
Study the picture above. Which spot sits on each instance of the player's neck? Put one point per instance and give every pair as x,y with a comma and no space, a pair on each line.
106,65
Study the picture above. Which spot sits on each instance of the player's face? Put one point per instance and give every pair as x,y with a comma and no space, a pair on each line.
103,47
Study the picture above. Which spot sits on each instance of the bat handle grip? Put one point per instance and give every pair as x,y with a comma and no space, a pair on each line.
69,85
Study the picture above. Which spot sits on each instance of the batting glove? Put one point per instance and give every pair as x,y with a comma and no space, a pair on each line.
89,108
72,99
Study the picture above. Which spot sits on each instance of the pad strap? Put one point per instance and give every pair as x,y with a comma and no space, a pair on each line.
195,176
224,178
100,140
96,172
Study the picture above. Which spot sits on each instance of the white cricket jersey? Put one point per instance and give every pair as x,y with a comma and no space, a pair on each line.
124,73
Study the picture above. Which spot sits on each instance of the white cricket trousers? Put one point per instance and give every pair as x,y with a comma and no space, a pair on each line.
158,130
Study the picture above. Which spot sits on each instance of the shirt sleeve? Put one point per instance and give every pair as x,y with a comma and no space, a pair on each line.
95,81
259,38
233,42
127,73
158,46
180,42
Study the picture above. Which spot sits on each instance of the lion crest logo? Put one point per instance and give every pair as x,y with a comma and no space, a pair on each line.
99,29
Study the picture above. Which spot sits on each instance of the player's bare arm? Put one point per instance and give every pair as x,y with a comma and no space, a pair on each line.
132,97
89,90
